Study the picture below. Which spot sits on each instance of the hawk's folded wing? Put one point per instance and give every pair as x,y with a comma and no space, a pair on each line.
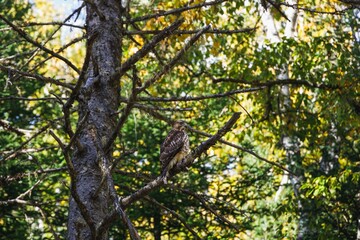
171,146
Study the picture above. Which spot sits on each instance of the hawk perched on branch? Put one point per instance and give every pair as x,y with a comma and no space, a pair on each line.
174,148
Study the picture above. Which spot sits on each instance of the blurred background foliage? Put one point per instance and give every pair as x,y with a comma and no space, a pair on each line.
227,193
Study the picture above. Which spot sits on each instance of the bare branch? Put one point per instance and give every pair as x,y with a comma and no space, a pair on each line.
27,192
66,155
106,178
147,48
73,41
21,54
183,32
172,63
352,3
176,11
151,108
8,156
36,76
77,132
15,201
132,230
27,38
277,7
197,98
30,24
6,179
74,94
296,82
10,98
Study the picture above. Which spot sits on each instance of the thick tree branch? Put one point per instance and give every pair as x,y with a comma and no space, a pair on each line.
183,164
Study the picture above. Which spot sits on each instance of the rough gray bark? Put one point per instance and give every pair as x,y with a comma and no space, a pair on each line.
98,98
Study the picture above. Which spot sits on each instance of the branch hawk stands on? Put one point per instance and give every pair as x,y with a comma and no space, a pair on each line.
174,148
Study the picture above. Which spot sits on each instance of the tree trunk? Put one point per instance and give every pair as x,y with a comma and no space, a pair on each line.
98,100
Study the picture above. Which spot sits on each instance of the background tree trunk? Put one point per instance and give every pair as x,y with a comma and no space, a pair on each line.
98,101
289,141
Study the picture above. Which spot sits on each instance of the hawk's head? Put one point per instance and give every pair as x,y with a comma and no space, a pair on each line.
179,125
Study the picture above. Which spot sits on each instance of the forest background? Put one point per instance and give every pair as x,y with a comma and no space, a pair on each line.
86,100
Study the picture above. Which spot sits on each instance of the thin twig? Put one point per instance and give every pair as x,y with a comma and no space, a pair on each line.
183,32
117,160
10,98
8,156
151,107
